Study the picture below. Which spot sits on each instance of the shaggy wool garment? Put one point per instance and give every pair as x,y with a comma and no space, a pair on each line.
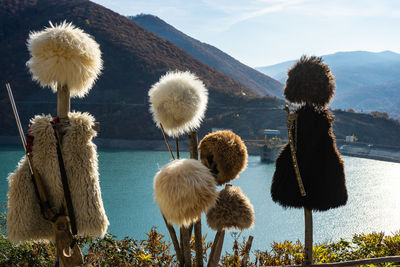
183,189
178,101
24,218
320,165
225,154
64,55
232,210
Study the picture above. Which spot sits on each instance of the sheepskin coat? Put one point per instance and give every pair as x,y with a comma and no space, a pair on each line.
320,165
24,219
183,189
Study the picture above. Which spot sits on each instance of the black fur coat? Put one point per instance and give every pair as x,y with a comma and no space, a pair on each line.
320,165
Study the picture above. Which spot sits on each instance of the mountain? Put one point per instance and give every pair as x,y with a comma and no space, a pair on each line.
383,97
210,55
365,81
134,59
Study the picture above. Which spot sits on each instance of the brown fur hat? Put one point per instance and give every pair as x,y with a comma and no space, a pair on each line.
310,81
232,210
225,154
183,189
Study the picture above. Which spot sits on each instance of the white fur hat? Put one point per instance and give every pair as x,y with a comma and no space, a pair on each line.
178,101
64,55
183,189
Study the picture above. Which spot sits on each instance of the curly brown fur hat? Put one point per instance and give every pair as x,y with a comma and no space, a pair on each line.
232,210
310,81
225,154
183,189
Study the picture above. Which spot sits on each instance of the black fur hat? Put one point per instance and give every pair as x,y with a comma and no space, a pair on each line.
310,81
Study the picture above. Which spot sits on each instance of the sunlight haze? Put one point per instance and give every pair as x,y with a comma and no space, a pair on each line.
265,32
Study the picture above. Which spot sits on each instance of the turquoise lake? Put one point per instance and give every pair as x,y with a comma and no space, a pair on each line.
126,179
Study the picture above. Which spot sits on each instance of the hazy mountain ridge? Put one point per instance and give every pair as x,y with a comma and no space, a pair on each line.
366,81
208,54
133,60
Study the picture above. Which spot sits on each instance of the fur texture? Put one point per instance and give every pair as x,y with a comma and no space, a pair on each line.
183,189
320,164
178,102
232,210
310,81
225,154
24,220
64,55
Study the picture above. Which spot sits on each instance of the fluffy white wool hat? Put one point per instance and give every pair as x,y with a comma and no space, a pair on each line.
178,101
183,189
64,55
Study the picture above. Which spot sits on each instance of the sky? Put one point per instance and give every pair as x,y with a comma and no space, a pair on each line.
265,32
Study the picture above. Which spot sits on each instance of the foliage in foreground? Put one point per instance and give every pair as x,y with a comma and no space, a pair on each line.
155,251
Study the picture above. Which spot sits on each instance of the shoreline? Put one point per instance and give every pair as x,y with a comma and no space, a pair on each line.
370,151
360,150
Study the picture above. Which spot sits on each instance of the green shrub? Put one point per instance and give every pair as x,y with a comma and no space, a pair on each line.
155,251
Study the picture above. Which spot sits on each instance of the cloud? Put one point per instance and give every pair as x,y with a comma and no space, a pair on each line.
343,8
233,12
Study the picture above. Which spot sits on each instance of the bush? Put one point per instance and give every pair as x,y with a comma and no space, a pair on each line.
155,251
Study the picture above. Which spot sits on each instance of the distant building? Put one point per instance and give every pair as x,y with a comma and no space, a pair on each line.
269,151
351,139
269,132
219,129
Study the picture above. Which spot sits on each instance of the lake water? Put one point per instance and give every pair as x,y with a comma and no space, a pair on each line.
126,179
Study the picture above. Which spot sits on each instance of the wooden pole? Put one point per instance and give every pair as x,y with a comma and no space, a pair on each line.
185,238
216,249
177,147
63,108
194,153
166,141
63,103
308,243
175,242
198,243
198,239
217,245
247,251
178,249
